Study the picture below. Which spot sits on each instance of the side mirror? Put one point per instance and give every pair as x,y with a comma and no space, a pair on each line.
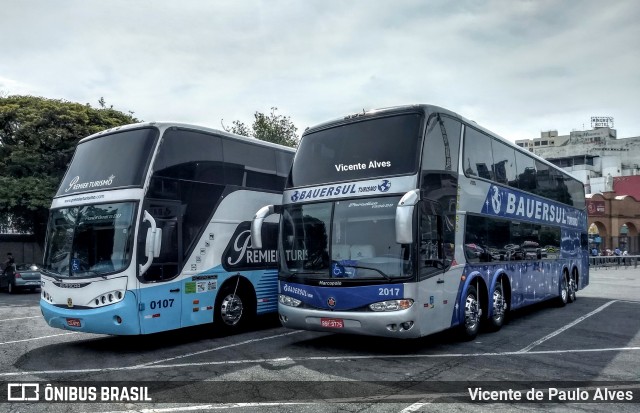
256,224
153,242
404,217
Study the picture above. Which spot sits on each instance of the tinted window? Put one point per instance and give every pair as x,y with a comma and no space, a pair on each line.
526,172
490,239
504,165
111,161
441,147
359,150
576,189
190,155
250,165
477,158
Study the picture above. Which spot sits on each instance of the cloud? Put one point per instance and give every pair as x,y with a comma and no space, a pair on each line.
516,67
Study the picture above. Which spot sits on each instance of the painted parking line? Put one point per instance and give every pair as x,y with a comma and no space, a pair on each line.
36,338
20,318
207,407
566,327
319,358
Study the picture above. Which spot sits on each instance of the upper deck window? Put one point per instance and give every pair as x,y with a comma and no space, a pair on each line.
364,149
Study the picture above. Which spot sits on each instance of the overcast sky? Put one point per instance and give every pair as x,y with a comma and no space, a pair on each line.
515,67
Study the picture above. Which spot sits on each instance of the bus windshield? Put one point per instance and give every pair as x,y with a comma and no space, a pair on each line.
106,162
344,239
368,149
90,241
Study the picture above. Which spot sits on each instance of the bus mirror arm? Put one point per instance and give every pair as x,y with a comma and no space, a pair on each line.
256,224
404,216
153,242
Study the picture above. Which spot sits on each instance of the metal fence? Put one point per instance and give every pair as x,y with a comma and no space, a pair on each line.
614,261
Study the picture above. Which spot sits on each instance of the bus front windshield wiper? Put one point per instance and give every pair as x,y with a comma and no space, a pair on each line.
368,268
52,273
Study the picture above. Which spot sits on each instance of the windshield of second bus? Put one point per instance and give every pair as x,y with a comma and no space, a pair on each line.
358,242
89,241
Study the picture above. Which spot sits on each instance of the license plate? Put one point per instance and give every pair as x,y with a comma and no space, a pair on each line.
332,322
73,322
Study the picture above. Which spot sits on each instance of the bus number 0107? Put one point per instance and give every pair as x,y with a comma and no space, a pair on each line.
161,304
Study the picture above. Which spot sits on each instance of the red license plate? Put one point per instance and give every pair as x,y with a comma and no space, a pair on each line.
73,322
332,322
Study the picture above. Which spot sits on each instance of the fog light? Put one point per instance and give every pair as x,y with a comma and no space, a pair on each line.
407,325
118,319
110,297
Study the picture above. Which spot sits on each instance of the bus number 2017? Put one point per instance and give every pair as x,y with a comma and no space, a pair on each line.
161,304
389,291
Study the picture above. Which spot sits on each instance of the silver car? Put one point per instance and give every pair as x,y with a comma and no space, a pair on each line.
26,276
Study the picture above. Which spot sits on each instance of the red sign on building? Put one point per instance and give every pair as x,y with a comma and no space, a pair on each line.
595,208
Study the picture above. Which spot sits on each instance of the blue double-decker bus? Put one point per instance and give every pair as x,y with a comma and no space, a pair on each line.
406,221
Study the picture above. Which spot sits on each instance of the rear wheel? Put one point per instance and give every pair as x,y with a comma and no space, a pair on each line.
573,287
499,308
472,314
564,290
234,310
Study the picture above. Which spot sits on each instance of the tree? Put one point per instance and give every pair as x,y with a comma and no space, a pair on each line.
271,128
37,139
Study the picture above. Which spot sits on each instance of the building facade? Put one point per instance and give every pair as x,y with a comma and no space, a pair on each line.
610,170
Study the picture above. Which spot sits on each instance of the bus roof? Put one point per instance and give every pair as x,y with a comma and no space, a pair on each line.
166,125
427,109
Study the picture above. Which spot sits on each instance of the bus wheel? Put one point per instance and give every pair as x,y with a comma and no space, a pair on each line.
573,286
564,290
499,309
232,312
472,314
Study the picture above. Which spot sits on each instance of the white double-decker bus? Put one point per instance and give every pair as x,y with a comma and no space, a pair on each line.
150,231
405,221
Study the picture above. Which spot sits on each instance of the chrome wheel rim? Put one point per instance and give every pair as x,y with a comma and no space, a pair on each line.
231,309
471,314
499,305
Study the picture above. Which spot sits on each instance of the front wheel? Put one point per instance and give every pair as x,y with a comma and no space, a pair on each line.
472,314
233,311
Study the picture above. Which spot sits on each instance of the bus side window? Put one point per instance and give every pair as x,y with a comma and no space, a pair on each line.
430,253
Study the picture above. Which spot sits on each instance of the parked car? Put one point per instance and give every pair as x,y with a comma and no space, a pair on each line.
26,276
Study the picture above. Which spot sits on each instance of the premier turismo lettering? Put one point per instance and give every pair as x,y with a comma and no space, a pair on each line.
536,209
359,166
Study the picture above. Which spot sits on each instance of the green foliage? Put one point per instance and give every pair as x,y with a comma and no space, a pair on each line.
271,128
37,140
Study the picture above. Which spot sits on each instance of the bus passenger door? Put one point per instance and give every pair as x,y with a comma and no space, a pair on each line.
160,286
431,268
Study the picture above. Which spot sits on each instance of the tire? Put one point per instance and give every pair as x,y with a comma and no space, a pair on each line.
563,290
499,310
11,288
472,314
233,312
573,287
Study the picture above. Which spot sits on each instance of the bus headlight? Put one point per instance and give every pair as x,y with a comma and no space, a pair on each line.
290,301
111,297
391,305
